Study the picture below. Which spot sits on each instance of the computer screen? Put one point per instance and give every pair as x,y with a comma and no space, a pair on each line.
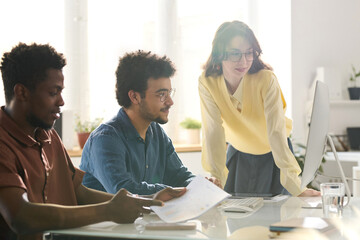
318,130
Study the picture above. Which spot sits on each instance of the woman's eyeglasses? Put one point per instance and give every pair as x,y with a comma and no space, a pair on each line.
236,56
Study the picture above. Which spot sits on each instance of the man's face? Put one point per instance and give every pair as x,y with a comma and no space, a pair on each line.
45,101
157,102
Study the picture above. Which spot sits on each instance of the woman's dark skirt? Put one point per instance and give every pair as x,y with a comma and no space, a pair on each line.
250,173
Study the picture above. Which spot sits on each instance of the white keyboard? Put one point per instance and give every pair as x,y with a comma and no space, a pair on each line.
241,204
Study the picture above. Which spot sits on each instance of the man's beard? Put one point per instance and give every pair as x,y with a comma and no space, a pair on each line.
145,113
160,121
38,123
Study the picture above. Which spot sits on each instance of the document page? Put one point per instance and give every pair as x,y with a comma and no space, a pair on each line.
201,195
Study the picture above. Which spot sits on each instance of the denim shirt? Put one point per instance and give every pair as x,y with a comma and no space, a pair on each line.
115,157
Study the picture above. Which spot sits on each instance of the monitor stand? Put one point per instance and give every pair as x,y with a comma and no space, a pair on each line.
347,189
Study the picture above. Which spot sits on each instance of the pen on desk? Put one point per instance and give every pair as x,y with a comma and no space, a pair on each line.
237,211
309,207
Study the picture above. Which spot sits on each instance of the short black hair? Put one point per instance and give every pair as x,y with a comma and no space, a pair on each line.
135,69
27,65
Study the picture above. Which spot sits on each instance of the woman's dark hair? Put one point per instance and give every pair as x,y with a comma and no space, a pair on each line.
27,65
135,69
223,36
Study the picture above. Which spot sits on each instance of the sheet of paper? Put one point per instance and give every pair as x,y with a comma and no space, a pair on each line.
201,195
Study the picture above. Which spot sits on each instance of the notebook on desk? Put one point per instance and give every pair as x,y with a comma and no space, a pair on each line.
317,223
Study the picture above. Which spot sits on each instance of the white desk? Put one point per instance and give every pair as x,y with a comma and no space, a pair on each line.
215,225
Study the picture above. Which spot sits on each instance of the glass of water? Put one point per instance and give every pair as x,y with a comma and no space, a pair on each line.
332,199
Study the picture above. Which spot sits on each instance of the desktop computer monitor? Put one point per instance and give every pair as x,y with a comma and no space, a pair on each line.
64,126
318,138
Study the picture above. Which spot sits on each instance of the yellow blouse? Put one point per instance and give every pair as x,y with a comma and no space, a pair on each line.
252,120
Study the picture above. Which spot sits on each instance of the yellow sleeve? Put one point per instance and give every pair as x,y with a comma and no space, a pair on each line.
276,130
213,156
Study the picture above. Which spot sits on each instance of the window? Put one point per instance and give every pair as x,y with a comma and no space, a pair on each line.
105,30
43,24
183,30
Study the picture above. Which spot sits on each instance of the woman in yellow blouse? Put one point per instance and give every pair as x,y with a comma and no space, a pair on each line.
242,105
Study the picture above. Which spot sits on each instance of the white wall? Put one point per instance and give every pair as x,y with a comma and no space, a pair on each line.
324,33
192,160
273,32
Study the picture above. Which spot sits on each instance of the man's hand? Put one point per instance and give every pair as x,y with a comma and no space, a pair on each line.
125,207
215,181
310,193
169,193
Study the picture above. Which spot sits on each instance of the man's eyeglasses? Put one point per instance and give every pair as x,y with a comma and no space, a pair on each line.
236,56
164,94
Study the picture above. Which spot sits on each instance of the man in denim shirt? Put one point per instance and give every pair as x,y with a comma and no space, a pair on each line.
131,150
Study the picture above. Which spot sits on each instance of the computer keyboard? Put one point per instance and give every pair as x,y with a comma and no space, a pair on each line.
241,204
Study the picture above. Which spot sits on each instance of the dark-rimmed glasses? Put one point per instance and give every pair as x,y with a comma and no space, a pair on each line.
236,56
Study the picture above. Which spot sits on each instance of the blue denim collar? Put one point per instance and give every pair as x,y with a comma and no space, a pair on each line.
128,129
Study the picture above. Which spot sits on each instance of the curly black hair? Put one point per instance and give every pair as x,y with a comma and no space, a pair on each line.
135,69
27,65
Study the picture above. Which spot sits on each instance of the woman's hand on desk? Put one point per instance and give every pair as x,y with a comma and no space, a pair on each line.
215,181
310,193
169,193
125,207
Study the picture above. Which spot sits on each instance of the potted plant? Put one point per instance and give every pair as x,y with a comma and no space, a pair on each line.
192,127
354,90
84,128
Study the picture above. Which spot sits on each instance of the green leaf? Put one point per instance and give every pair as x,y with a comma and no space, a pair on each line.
86,126
190,123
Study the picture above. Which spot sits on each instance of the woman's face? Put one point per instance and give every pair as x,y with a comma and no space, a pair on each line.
239,57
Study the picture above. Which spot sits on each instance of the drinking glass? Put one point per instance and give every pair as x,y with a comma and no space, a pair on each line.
332,199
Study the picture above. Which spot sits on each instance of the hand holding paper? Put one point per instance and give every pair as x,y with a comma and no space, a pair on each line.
201,195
